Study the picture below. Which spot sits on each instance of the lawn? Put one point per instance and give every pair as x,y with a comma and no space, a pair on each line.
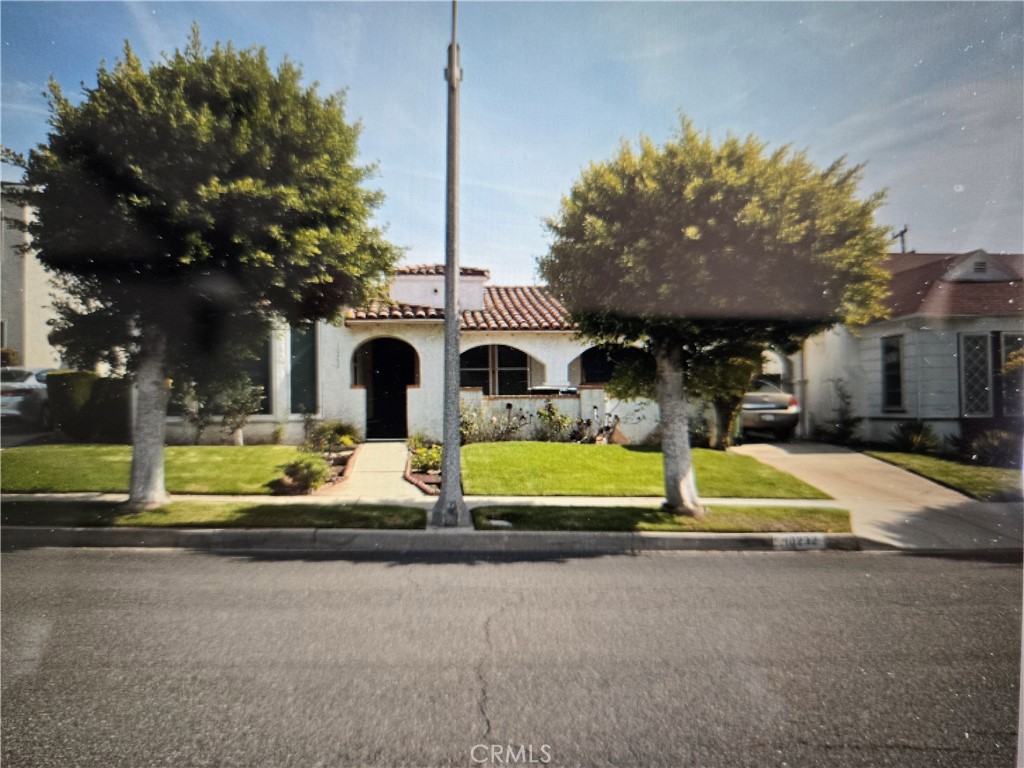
568,469
197,514
105,468
722,519
983,483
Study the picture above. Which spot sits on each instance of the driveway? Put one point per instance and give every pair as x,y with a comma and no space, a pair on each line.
891,506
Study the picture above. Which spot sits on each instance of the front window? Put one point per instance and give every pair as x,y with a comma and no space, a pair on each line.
892,373
976,374
496,369
258,371
303,369
1013,373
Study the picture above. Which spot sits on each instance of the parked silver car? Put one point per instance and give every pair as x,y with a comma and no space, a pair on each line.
23,395
768,409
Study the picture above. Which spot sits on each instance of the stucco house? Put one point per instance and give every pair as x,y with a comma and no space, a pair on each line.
939,357
25,292
382,368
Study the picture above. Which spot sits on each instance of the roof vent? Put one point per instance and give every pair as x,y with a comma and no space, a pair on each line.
980,267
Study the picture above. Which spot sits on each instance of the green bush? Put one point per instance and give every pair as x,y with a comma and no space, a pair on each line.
553,426
110,410
86,406
997,448
914,437
426,458
307,473
9,357
329,436
420,440
69,394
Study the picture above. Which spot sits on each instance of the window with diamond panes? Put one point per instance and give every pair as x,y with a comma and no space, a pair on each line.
976,375
1013,375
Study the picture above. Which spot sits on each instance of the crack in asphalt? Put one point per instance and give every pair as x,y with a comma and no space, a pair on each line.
481,700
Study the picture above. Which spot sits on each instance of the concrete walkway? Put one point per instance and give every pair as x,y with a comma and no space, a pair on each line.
376,478
891,506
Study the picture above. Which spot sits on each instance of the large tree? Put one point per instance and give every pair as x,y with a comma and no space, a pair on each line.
697,248
191,205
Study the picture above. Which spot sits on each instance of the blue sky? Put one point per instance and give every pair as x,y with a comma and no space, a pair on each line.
929,95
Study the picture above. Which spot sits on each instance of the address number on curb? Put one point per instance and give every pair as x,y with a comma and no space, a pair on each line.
799,541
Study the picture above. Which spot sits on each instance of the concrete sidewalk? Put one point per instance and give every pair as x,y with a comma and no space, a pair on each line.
893,507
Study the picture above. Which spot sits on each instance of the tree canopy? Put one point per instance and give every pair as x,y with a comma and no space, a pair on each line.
698,250
188,206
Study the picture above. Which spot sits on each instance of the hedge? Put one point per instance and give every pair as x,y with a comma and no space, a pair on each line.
86,406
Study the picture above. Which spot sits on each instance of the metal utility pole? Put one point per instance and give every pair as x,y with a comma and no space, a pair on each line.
902,237
451,510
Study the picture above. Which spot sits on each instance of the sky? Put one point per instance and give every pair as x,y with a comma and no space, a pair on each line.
929,96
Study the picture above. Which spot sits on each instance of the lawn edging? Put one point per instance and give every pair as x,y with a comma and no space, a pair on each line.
413,542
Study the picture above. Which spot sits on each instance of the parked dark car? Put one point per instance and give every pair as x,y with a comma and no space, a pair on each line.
23,395
769,409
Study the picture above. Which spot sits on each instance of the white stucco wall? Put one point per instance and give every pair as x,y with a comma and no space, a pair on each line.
26,304
428,291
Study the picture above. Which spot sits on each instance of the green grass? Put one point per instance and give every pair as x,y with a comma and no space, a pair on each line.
568,469
105,468
983,483
196,514
717,520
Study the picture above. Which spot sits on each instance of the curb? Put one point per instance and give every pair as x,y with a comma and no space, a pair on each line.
422,542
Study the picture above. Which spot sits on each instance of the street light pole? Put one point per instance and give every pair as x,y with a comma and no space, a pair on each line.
450,509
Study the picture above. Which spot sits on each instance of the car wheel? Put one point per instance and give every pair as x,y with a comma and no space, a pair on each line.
45,418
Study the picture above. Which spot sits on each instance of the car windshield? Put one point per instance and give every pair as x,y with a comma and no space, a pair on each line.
12,375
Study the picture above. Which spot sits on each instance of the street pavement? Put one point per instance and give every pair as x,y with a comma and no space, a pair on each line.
172,658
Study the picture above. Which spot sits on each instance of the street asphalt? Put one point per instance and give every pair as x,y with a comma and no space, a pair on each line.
172,658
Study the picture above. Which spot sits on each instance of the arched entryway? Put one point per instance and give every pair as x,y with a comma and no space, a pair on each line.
386,368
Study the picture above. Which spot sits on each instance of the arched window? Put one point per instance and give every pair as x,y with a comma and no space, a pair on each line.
497,369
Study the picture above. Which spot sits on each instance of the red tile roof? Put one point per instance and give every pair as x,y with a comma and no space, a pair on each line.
514,308
438,269
917,287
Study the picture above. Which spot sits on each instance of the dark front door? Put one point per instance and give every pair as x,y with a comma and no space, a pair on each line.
392,370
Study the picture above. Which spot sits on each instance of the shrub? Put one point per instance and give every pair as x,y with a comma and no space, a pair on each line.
69,393
426,458
329,436
277,436
552,425
420,440
844,428
238,403
110,410
9,357
997,448
476,427
914,437
307,473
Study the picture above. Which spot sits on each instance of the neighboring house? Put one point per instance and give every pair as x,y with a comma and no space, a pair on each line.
939,357
25,297
382,369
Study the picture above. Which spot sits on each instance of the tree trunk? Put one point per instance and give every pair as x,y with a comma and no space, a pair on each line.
147,476
238,436
680,484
